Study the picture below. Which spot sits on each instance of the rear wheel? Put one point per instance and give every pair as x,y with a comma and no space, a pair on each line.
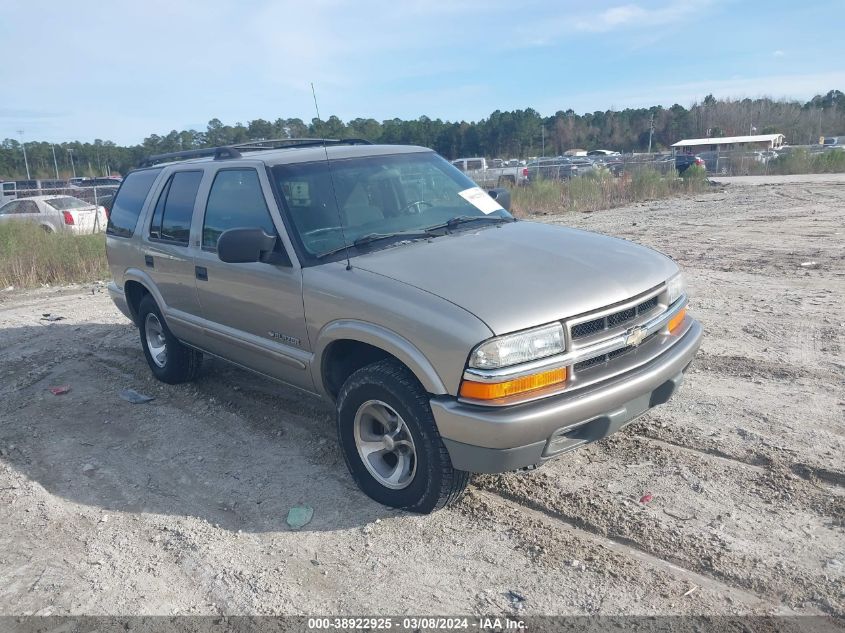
169,360
390,440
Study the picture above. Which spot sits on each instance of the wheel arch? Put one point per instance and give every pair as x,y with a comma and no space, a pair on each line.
135,285
345,346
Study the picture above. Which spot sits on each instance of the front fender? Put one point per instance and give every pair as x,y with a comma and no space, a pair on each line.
380,337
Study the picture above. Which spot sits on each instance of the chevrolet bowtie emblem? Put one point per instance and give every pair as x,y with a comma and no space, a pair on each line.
635,336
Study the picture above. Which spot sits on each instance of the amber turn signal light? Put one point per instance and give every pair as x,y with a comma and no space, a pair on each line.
524,384
676,320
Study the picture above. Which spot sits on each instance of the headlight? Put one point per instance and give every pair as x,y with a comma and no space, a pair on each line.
676,287
522,347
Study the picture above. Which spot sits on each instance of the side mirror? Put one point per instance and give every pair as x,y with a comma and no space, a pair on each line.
242,246
502,196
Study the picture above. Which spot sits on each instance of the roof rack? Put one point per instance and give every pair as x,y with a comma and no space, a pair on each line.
234,151
218,152
281,143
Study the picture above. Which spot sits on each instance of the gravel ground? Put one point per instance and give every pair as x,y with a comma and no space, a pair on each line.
179,505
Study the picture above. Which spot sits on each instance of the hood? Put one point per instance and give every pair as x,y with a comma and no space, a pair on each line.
518,275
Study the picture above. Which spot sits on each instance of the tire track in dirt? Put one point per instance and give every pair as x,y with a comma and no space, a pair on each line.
544,534
757,460
605,518
718,552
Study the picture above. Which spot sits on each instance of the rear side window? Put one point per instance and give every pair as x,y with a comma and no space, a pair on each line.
28,206
175,207
235,202
129,201
62,204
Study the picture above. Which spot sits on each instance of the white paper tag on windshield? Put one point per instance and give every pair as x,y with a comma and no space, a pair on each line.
478,198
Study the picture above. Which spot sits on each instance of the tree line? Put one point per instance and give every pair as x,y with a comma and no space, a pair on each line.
509,134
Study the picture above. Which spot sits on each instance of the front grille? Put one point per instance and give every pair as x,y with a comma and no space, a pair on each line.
590,327
620,317
603,358
594,326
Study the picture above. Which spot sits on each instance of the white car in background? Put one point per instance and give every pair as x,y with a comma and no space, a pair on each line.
56,213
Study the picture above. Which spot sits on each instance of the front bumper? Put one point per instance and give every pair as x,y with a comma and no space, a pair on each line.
490,440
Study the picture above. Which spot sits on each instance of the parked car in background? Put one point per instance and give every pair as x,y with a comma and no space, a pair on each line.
764,156
88,183
602,152
685,161
559,168
56,213
12,189
99,191
486,175
585,165
613,163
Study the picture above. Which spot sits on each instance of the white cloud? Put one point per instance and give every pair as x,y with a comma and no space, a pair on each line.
778,53
622,17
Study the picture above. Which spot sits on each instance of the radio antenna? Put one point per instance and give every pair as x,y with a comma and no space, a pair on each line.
331,180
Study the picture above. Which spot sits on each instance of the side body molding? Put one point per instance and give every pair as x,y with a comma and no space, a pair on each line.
382,338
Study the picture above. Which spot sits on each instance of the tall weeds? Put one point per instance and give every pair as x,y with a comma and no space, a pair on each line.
30,257
599,189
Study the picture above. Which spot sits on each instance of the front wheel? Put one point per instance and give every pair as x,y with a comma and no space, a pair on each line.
390,440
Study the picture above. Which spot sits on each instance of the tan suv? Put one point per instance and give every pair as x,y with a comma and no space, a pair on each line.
451,337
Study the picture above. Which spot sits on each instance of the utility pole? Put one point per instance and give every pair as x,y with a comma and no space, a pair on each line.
72,166
23,147
543,128
650,131
55,162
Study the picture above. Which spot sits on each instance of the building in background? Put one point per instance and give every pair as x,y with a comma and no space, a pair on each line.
727,143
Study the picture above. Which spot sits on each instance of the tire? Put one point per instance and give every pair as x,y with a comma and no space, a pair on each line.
175,363
434,483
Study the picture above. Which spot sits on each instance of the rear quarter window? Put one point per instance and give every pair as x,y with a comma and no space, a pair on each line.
129,201
175,208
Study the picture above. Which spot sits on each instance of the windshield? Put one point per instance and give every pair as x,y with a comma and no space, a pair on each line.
376,195
62,204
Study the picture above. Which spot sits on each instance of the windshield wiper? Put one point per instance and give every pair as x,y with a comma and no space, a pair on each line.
416,234
374,237
451,223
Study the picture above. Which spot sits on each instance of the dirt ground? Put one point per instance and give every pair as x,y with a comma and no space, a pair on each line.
179,505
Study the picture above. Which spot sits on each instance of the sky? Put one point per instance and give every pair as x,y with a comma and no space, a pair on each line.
122,70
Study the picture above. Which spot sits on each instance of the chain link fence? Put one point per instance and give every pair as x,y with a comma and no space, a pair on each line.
743,162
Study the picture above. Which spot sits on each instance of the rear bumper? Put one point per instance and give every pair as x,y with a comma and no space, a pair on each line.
489,440
119,298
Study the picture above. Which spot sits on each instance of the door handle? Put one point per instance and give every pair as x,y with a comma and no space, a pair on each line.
149,261
201,273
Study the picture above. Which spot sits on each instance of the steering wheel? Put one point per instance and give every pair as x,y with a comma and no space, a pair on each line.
418,204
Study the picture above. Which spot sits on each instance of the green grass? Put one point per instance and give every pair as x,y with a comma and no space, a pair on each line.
599,189
30,257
